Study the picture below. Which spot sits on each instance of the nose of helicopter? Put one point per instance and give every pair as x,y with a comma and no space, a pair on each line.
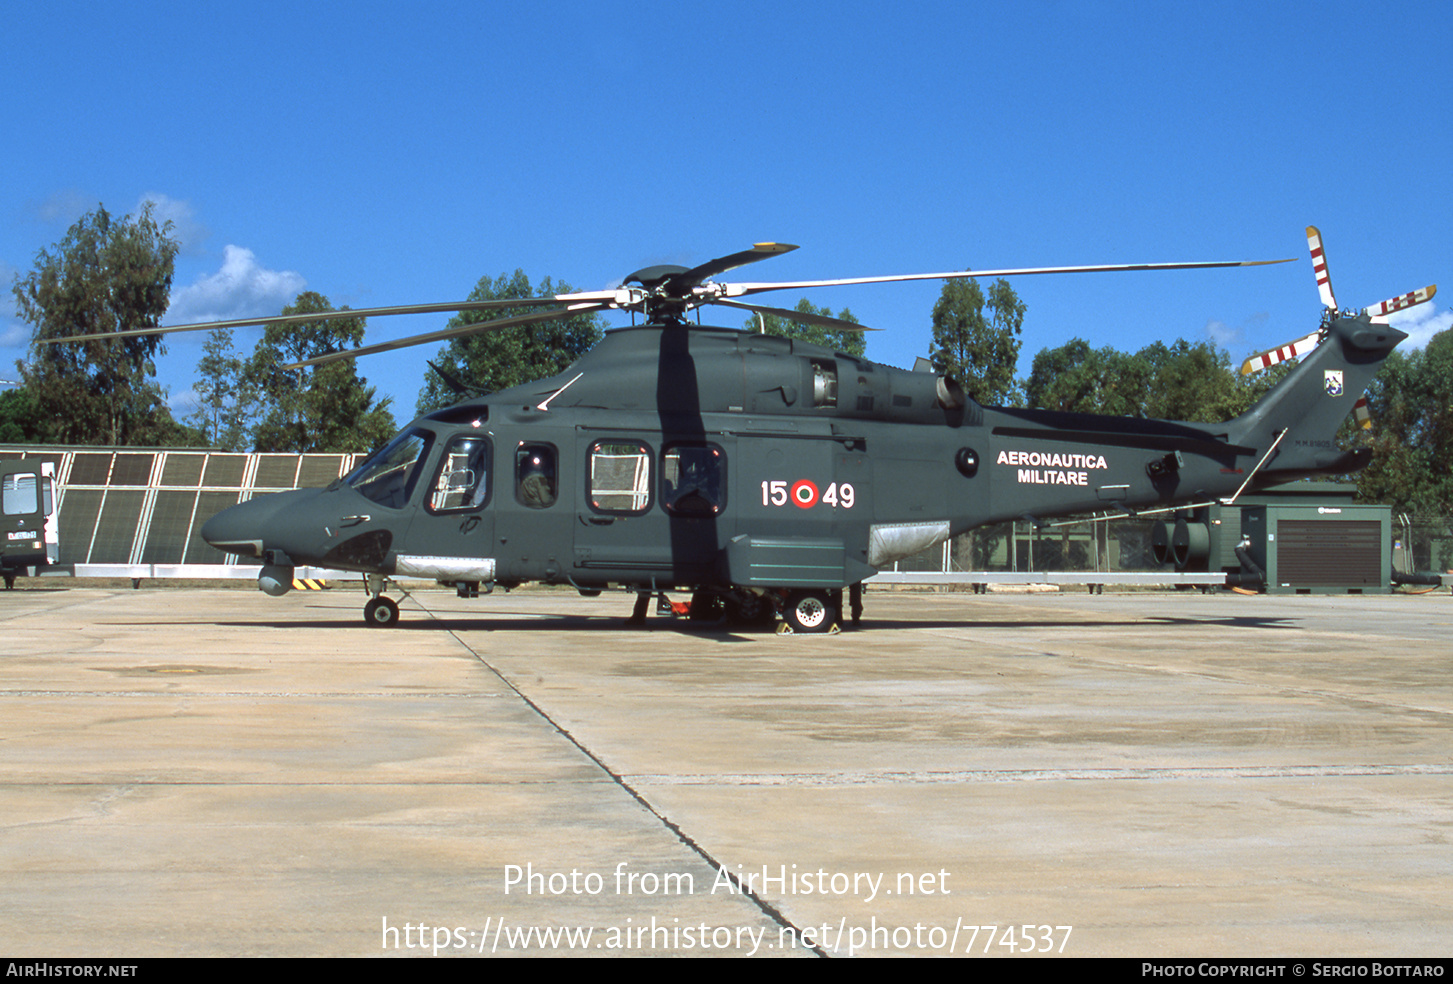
277,522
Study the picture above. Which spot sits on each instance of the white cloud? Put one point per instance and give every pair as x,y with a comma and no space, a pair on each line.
1421,323
1222,335
188,231
240,289
183,404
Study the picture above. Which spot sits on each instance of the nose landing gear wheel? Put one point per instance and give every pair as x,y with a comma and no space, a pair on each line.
810,611
381,612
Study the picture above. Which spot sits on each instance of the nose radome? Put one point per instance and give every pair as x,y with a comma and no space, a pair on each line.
250,527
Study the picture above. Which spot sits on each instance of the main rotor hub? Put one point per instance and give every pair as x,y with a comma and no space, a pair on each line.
655,278
668,292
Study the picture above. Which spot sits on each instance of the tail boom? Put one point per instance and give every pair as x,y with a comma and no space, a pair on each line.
1311,403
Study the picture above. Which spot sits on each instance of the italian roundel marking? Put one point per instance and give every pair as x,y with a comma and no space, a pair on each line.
804,494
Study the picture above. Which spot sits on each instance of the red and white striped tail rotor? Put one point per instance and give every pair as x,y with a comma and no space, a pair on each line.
1324,279
1379,312
1291,350
1319,267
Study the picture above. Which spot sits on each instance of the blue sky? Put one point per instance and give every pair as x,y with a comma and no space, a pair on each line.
383,153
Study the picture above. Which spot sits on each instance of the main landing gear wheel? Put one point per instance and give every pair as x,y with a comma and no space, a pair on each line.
381,612
749,610
810,611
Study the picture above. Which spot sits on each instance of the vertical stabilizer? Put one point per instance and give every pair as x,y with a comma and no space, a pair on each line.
1314,399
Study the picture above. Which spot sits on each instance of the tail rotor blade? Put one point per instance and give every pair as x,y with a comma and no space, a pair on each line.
1362,414
1401,302
1319,266
1291,350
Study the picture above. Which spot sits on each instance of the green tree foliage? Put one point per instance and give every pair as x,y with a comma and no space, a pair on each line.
1181,381
976,339
225,398
326,408
1076,378
20,421
104,276
1411,402
838,339
497,360
1198,382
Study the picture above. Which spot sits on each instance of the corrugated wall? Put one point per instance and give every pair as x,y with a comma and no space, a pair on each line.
137,506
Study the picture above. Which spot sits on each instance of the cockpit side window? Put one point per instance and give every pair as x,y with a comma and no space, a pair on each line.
463,481
693,479
388,477
536,482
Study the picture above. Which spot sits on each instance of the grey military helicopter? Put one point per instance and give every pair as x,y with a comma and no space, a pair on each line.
763,474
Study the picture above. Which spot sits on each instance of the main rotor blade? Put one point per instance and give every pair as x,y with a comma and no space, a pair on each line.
739,290
556,300
459,331
805,318
759,251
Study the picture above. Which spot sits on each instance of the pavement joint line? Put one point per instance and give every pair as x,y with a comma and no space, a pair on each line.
767,908
50,611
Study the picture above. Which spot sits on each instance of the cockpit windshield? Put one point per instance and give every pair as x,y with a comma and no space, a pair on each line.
388,477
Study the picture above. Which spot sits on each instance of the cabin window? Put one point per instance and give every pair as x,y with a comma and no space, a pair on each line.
463,480
693,479
536,478
620,477
388,477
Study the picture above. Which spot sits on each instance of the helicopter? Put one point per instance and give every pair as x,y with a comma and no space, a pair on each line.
766,475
